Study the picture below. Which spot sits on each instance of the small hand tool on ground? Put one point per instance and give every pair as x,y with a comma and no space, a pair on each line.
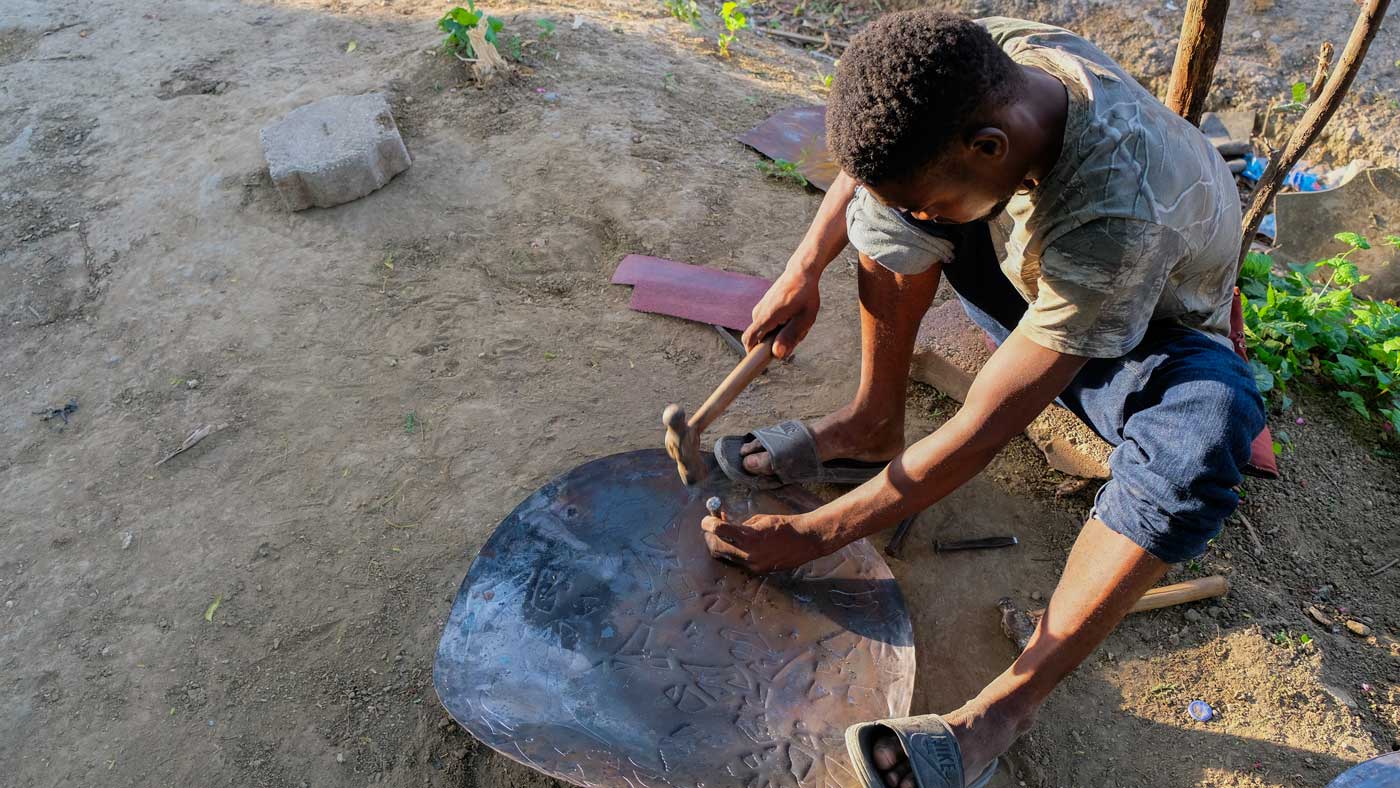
984,543
1019,626
683,435
901,532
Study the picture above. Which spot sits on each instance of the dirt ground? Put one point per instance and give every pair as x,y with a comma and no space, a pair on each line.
393,375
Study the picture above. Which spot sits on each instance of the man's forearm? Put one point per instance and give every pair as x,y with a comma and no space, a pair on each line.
918,478
1013,387
826,237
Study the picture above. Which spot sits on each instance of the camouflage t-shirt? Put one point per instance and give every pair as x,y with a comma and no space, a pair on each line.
1139,219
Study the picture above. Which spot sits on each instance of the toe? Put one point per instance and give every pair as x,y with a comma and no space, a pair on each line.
886,752
758,464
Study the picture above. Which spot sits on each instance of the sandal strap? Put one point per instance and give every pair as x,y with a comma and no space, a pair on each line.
791,449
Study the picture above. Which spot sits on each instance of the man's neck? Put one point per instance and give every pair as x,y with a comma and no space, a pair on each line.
1040,118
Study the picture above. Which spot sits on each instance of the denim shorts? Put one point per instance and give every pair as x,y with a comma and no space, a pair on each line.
1180,410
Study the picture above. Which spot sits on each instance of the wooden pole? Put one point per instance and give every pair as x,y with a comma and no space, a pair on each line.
1321,110
1196,53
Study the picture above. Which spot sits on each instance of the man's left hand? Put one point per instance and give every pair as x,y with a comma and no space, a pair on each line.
767,542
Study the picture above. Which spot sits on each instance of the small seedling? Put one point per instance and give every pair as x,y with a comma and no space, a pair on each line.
546,26
734,21
668,83
826,79
459,20
684,10
782,169
1298,98
1193,566
1304,639
410,422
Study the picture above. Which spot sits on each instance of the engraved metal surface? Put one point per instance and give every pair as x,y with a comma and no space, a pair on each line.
595,640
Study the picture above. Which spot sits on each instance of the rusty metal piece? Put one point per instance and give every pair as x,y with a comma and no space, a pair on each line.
595,640
692,292
797,135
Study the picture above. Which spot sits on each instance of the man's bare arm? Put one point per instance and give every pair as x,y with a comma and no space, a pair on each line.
1014,386
795,298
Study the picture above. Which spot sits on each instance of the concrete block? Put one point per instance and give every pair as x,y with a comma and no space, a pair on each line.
334,150
949,352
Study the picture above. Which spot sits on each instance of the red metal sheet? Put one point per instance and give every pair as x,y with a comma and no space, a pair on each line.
692,292
797,135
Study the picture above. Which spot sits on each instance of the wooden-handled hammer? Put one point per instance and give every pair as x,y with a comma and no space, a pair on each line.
1019,626
683,436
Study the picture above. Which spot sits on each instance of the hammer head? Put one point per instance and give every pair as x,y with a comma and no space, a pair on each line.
683,445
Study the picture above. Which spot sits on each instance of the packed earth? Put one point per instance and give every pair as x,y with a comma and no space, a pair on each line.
380,383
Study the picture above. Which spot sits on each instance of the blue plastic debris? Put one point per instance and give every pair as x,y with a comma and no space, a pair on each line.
1200,711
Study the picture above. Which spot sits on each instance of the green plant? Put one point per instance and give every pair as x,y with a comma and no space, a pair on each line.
684,10
734,21
459,20
1295,323
781,169
827,79
1298,100
515,48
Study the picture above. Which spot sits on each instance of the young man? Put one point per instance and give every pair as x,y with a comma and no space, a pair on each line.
1113,295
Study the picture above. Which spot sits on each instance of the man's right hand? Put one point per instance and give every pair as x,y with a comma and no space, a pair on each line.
793,299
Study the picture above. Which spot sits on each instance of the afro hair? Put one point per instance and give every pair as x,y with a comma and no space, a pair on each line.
910,85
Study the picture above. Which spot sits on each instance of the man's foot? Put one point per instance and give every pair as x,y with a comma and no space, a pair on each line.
845,434
982,736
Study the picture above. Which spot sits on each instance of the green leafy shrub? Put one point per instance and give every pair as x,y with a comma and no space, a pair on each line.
684,10
1309,321
734,21
456,22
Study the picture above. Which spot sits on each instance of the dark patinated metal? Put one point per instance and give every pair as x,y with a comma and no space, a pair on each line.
595,639
797,135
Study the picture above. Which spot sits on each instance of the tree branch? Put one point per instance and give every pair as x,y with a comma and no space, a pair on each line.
1321,110
1196,53
1324,64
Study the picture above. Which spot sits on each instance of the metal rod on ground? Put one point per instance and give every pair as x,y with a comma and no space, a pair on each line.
1201,30
901,532
734,344
1368,23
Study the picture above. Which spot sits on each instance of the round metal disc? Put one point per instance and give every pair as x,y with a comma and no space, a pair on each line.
1380,772
595,640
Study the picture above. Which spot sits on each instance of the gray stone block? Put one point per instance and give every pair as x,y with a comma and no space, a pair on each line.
334,150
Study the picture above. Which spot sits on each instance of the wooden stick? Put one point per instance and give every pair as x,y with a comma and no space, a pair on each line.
1180,593
1321,110
1324,64
829,41
1253,534
1385,566
1201,30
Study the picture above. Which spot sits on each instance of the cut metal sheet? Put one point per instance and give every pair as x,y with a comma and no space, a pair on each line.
1380,772
595,640
797,135
693,292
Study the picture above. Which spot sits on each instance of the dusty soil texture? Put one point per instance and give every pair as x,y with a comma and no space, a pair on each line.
390,377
